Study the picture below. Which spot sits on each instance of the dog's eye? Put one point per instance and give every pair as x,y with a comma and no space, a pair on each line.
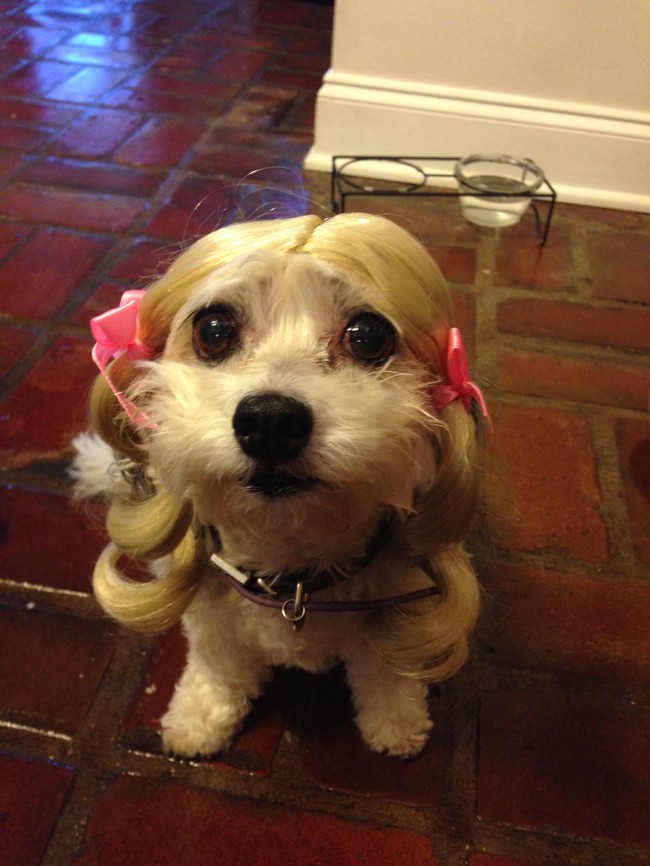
369,338
215,333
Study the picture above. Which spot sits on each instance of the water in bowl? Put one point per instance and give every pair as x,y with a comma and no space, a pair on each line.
494,211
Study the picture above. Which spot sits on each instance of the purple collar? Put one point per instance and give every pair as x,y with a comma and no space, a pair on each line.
289,593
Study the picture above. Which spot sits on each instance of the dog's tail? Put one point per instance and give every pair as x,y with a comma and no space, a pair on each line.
93,468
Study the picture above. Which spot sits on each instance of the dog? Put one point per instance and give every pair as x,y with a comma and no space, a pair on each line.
285,429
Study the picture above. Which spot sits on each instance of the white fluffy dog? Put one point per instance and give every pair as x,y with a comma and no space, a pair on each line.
286,439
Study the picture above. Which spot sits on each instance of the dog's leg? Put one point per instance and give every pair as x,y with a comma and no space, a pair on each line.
391,711
212,698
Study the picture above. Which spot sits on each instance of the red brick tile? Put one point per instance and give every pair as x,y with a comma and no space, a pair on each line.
575,765
618,219
539,618
633,441
520,261
50,666
541,490
278,190
184,59
287,14
620,266
458,264
11,234
9,162
103,298
433,221
137,822
32,794
36,79
30,41
87,85
111,41
260,107
280,78
70,539
76,209
237,64
309,64
22,138
149,102
8,63
627,327
13,342
301,117
43,115
160,142
197,207
98,177
237,152
220,38
163,28
191,94
97,134
335,757
144,260
309,44
579,379
141,726
42,416
93,55
252,750
211,92
37,280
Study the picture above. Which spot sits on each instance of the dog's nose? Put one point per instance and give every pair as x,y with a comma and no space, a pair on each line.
271,426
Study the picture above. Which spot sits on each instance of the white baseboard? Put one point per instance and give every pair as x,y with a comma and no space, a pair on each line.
592,155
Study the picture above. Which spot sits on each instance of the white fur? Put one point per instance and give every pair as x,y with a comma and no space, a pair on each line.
370,450
233,649
95,471
368,446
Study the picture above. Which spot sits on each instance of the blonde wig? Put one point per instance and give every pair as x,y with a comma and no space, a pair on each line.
425,639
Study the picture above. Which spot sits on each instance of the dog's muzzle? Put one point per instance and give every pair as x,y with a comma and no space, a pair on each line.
271,427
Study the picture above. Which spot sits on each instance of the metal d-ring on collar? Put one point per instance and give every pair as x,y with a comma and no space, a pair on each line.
293,602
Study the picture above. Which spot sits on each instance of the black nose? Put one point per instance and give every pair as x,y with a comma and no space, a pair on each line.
271,426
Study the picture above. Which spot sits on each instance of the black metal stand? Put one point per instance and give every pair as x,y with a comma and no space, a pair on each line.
420,174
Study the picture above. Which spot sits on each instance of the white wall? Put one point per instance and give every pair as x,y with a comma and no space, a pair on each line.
564,82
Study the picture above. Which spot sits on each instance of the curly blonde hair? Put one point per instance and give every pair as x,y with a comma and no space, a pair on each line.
403,283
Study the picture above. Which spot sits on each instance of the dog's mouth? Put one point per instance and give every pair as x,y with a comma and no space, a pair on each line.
273,485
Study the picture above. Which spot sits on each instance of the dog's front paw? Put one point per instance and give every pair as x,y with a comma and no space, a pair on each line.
192,740
392,713
398,736
394,720
201,726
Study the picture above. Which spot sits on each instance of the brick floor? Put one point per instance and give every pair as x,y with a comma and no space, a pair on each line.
129,128
31,796
143,822
581,764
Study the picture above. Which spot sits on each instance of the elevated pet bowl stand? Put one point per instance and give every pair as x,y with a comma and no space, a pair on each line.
426,177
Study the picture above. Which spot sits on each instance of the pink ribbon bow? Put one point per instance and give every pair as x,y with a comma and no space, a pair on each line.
115,333
459,386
